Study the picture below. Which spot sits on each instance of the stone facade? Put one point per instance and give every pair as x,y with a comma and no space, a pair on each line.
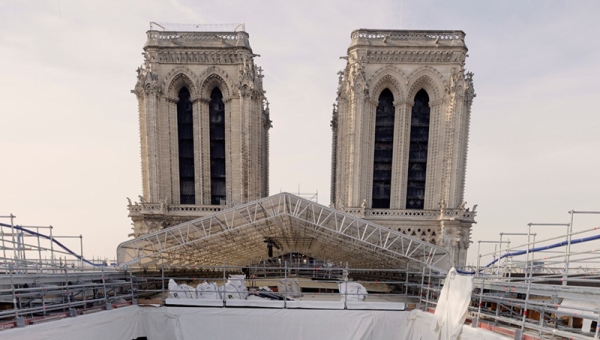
404,63
200,62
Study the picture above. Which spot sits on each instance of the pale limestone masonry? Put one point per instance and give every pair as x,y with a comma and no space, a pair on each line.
200,62
405,62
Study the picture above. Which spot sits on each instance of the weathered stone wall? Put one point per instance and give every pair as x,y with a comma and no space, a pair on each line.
405,62
199,61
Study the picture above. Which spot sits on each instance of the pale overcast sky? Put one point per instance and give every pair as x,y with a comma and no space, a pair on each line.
69,140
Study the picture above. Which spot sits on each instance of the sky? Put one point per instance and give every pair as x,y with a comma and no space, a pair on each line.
69,134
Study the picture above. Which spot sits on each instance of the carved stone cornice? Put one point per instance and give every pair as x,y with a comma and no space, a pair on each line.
414,56
170,99
202,57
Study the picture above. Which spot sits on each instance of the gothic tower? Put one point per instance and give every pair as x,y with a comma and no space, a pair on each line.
400,134
204,124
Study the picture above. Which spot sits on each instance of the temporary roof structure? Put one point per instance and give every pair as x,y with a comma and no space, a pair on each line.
237,237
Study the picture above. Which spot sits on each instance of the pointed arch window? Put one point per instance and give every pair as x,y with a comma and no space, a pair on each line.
185,134
417,158
384,143
217,147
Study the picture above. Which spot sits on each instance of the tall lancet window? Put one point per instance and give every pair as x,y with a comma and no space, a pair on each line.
217,147
185,133
384,143
417,159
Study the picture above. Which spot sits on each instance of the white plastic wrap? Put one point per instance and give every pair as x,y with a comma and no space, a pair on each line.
356,291
181,291
453,306
208,291
235,288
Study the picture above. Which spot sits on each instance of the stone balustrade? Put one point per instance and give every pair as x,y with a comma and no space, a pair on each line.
407,35
425,215
205,36
173,39
172,209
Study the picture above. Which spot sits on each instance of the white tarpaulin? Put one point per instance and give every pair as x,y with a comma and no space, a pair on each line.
181,291
118,324
355,291
186,323
235,287
207,290
453,306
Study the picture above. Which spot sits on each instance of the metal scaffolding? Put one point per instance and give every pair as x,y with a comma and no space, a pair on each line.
544,287
238,235
37,247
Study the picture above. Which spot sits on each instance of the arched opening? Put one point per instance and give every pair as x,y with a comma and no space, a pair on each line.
217,147
185,135
384,143
417,158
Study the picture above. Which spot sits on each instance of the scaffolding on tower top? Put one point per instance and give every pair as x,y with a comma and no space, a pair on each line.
175,27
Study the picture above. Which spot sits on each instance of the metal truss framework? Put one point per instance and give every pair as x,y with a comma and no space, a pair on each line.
236,236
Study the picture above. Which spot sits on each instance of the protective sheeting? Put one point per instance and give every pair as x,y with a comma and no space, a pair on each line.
183,323
208,291
181,291
234,288
352,291
453,305
417,325
118,324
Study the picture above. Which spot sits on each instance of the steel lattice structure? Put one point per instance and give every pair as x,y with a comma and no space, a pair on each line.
237,236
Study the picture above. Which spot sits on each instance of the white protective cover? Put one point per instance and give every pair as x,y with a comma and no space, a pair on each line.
356,291
208,291
183,323
181,291
235,287
453,306
123,323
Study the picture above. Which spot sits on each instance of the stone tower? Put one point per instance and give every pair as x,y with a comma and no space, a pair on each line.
204,124
400,134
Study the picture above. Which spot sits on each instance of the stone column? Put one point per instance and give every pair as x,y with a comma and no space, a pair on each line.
171,113
434,156
369,154
198,148
401,152
204,151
